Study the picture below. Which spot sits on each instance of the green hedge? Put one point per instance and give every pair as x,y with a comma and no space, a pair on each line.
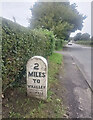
59,44
84,42
19,44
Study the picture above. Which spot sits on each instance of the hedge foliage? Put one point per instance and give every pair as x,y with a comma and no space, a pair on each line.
19,44
85,42
59,43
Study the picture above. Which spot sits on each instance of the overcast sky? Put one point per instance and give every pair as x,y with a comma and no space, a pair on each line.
84,8
21,11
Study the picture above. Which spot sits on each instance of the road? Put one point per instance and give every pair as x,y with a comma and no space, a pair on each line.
77,70
82,56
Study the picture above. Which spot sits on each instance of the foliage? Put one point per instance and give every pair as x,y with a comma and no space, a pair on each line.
18,45
92,40
85,42
56,58
59,44
17,105
83,39
50,43
80,37
85,36
62,18
77,36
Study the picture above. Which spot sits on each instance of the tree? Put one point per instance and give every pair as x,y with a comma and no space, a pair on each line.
61,18
77,37
92,38
85,36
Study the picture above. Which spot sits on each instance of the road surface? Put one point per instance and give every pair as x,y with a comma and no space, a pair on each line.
82,56
77,70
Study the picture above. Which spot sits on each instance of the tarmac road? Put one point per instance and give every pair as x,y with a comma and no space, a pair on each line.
82,56
77,70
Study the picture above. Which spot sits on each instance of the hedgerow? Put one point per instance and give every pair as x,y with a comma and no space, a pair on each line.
19,44
58,43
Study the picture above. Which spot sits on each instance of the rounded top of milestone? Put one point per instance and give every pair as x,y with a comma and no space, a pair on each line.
38,57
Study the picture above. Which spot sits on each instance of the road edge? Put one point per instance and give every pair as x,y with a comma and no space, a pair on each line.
75,60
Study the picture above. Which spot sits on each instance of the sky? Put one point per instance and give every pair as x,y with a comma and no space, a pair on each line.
20,9
85,9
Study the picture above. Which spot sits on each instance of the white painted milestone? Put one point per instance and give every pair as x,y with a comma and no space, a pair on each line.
37,74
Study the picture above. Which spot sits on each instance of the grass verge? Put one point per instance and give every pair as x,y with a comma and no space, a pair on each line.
17,105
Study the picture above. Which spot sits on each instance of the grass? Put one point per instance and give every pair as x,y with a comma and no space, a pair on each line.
55,58
18,105
54,63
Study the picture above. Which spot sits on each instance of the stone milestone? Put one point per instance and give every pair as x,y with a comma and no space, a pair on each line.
37,74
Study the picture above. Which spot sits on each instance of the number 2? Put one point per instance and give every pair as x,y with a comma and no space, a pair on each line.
36,66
